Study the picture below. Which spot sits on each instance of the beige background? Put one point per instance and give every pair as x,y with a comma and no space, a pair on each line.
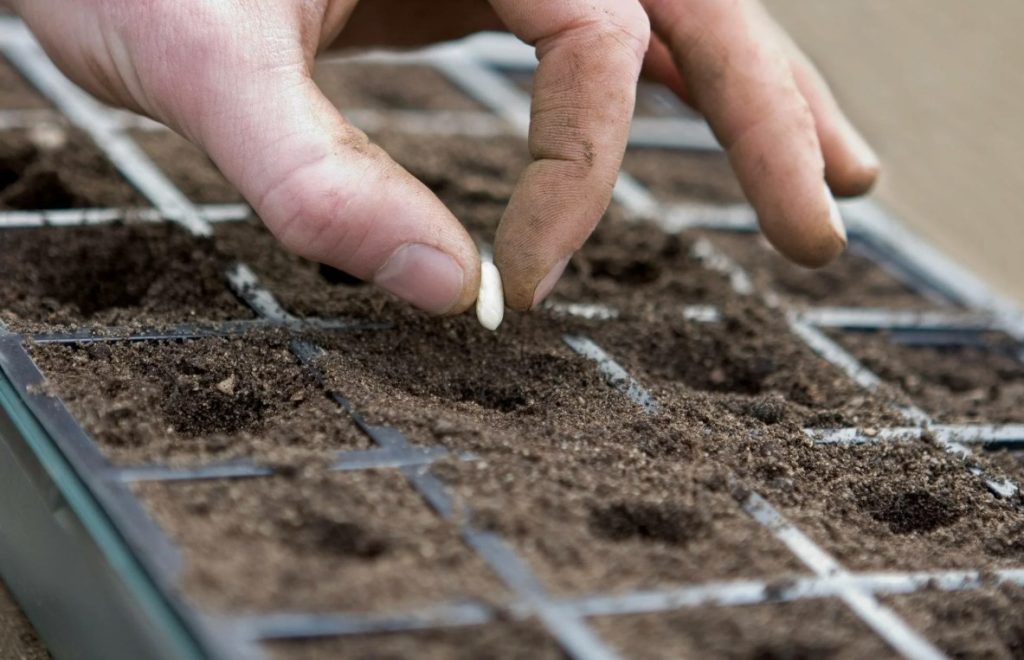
938,88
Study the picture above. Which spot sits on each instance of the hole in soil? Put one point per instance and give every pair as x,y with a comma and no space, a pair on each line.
74,174
342,538
503,399
335,276
784,651
196,410
648,521
910,511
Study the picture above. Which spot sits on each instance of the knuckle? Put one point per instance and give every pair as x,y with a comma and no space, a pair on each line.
627,28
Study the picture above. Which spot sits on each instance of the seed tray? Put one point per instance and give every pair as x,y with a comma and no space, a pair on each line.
102,570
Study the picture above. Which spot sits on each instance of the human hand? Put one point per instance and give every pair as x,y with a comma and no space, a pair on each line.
235,78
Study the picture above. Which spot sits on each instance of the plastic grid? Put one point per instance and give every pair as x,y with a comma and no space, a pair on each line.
475,66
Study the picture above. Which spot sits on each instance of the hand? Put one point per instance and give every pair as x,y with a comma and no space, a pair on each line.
235,78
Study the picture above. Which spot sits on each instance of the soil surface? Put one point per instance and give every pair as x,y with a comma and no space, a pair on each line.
497,641
682,176
908,506
75,174
969,624
853,280
751,359
342,541
983,383
823,629
189,403
15,92
18,641
118,274
389,87
187,167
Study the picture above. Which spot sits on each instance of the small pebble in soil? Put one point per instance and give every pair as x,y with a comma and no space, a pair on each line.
490,302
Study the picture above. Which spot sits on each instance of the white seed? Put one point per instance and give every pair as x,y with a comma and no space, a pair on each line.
490,302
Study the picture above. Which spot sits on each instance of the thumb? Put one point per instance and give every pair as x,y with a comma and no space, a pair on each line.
331,196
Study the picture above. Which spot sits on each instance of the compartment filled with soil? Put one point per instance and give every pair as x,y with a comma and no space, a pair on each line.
982,381
853,280
751,361
56,169
316,542
603,519
675,176
896,506
983,623
187,167
115,274
498,641
389,87
198,401
15,92
447,380
800,629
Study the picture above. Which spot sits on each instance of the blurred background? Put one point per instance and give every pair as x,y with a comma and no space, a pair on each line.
937,86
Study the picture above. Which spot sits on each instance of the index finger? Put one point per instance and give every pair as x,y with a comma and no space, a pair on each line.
589,55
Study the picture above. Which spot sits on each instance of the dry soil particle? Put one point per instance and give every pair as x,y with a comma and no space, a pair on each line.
980,383
854,280
197,401
494,641
906,506
779,631
751,360
684,176
342,541
187,167
601,520
121,274
73,175
389,87
986,623
15,92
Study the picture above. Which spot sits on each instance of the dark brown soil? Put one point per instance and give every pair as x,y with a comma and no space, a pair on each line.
74,175
641,271
18,640
752,360
497,641
969,624
187,167
343,541
389,87
15,92
198,401
952,383
784,631
905,506
851,281
682,176
123,274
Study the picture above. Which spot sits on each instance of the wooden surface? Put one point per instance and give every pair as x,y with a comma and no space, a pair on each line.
938,88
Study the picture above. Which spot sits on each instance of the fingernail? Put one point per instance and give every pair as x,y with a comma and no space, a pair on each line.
549,281
834,216
423,276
